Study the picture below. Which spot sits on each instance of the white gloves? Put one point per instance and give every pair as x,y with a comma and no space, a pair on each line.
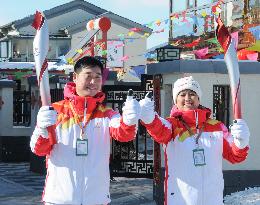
131,111
240,132
40,132
46,117
147,110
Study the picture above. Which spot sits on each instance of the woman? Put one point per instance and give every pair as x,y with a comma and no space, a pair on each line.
194,145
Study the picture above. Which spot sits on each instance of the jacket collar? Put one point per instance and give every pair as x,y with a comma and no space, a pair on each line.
79,102
191,116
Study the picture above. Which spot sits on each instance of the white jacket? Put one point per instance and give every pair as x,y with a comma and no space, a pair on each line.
195,185
185,183
80,180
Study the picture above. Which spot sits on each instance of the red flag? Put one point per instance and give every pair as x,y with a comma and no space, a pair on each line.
193,43
135,29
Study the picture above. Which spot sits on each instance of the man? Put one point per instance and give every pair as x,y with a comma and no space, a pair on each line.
78,165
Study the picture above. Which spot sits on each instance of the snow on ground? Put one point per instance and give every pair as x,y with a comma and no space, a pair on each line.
248,196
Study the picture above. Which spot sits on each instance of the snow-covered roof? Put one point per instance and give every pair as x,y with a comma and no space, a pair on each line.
75,5
201,66
52,66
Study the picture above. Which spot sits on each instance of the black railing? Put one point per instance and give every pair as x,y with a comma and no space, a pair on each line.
134,158
22,108
221,101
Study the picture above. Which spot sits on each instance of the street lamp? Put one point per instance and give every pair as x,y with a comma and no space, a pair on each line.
168,53
170,20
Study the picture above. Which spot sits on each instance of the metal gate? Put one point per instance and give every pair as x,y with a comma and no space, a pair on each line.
134,158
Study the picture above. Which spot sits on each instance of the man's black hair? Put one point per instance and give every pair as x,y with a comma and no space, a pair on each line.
87,61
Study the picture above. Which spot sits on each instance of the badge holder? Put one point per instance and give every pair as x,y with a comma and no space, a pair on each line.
199,157
81,147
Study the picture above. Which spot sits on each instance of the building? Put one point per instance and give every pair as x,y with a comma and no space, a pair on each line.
67,28
19,94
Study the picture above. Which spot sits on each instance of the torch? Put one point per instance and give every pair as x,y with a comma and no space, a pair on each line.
40,51
228,45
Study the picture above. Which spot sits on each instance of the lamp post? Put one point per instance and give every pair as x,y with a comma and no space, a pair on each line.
170,22
195,29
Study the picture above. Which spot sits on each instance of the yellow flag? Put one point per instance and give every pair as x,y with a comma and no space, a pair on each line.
79,51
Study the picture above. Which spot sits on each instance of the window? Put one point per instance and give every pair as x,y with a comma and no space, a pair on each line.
22,50
3,49
58,47
221,105
63,47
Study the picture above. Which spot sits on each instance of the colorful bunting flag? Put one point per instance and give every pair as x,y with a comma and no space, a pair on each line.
130,40
146,35
104,52
203,14
79,51
158,22
252,56
120,45
201,53
150,25
213,40
130,33
70,61
135,29
255,47
124,58
159,31
184,17
255,31
194,43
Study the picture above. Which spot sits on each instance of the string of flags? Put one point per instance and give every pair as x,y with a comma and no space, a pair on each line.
179,19
184,18
200,19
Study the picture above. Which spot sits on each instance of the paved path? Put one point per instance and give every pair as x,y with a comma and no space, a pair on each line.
19,186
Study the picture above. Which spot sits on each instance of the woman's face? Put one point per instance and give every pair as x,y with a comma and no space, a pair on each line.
187,100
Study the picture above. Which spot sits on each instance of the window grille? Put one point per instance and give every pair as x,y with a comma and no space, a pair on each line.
221,103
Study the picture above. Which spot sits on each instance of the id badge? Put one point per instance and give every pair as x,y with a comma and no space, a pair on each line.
199,157
81,147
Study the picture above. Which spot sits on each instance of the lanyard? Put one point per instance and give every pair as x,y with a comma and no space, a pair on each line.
85,122
191,132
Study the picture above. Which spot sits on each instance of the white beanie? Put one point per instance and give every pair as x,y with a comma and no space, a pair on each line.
184,84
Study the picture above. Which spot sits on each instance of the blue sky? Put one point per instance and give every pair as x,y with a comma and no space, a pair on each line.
141,11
